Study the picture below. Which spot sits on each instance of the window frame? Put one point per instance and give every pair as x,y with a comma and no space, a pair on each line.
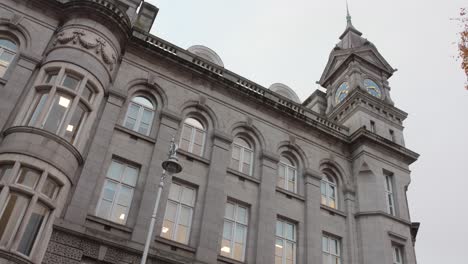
328,184
285,240
242,150
179,205
120,184
390,194
141,110
46,96
286,176
327,252
13,53
397,251
193,131
234,222
34,197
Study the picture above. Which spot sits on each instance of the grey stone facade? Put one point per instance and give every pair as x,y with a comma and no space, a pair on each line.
357,140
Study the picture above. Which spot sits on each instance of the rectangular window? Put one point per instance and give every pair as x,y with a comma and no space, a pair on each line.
397,254
372,126
11,217
117,193
331,250
36,222
179,211
389,193
285,245
236,219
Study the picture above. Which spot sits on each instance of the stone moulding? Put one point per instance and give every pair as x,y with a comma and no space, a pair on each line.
99,45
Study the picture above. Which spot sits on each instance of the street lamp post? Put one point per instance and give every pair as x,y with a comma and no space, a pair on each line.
170,166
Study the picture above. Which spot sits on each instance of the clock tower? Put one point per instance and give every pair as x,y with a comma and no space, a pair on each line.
358,93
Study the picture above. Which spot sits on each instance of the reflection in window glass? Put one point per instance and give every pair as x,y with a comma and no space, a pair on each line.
178,217
35,223
117,192
50,188
193,136
12,213
140,115
39,105
285,245
7,54
59,109
28,177
76,121
234,231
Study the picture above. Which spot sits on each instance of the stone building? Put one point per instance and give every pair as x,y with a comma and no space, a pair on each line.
89,102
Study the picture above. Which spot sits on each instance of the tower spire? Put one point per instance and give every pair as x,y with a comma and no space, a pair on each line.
348,16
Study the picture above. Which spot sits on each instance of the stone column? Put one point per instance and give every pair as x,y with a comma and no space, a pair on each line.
351,230
213,211
313,236
266,225
168,128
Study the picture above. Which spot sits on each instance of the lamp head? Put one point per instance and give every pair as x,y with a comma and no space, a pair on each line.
172,165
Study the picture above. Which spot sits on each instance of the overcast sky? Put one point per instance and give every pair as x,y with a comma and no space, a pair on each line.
270,41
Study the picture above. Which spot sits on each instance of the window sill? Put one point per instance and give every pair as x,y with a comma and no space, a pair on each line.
229,260
332,211
108,225
175,244
243,176
135,134
190,156
290,194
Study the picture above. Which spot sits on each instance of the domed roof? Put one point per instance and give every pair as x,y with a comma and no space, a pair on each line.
207,54
285,91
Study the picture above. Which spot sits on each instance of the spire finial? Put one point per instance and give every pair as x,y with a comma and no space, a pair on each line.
348,16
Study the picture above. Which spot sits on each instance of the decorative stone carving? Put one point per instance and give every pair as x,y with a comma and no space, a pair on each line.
88,41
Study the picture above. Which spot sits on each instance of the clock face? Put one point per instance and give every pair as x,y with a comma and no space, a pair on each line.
341,92
372,88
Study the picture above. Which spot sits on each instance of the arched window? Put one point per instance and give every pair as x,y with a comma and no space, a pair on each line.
62,103
140,115
242,156
328,188
193,136
8,52
287,174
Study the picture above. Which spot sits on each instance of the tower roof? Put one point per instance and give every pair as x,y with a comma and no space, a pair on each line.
351,37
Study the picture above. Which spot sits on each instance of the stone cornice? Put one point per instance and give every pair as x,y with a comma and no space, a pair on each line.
383,214
358,98
363,135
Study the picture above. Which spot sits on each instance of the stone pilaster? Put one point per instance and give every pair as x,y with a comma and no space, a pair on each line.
313,238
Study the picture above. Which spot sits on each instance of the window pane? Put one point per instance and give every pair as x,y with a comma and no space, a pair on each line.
70,82
229,211
197,149
187,196
130,176
6,58
171,211
147,117
279,228
174,192
143,129
246,168
7,44
125,196
119,214
242,215
115,170
11,217
333,246
291,186
143,101
182,234
104,209
50,78
323,188
5,171
109,190
38,108
236,153
325,244
2,69
238,251
87,93
37,219
291,174
50,188
226,248
289,251
184,217
240,234
289,231
59,108
187,132
227,230
184,144
71,130
279,248
132,115
199,137
167,229
28,177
